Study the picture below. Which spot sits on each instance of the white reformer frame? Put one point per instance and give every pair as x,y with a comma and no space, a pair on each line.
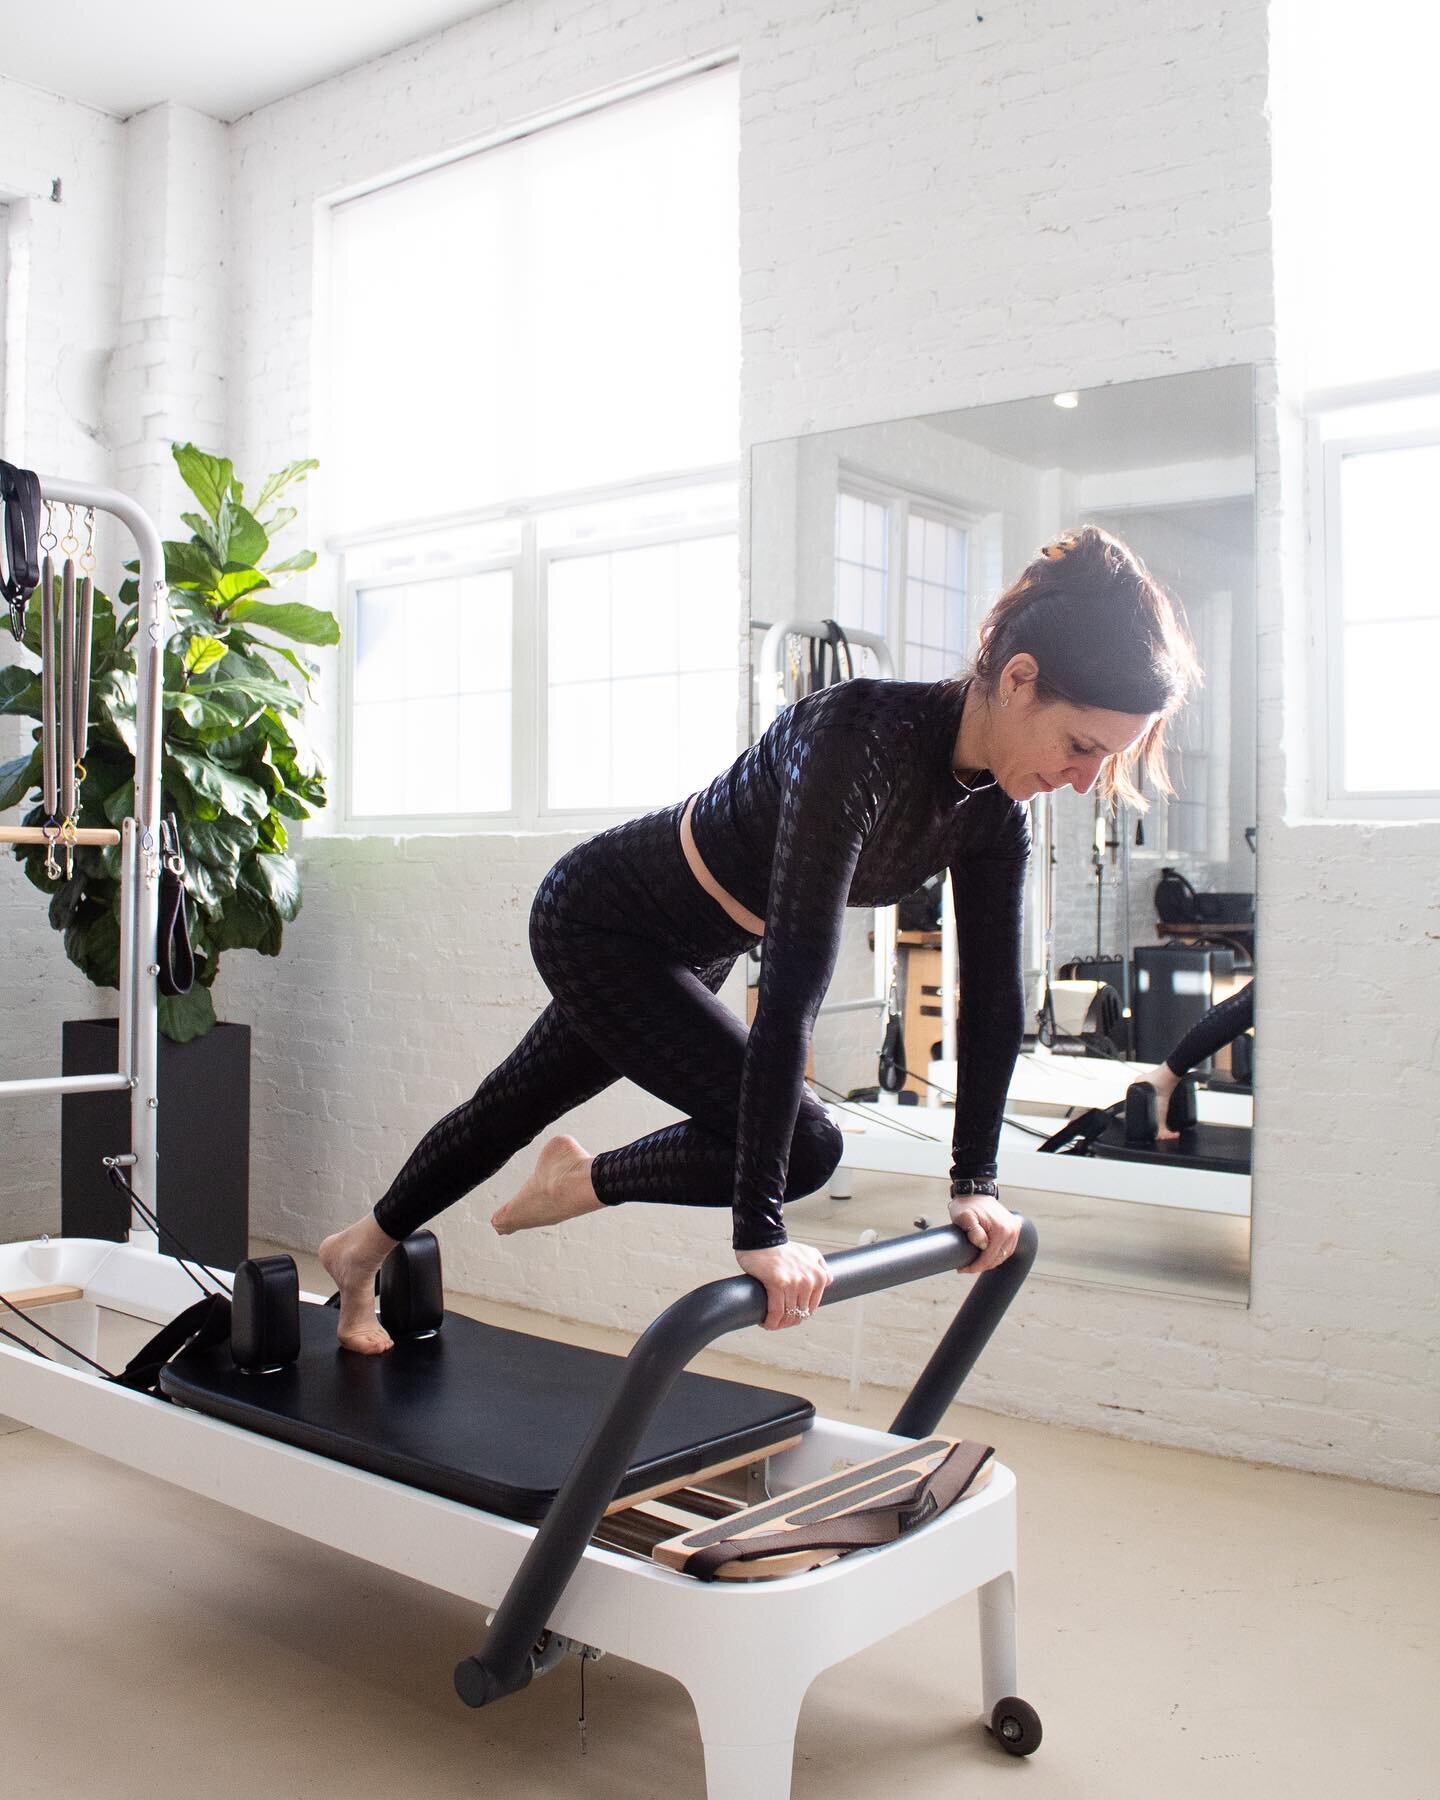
746,1651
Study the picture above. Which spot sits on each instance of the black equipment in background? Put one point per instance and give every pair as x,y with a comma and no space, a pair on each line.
1174,988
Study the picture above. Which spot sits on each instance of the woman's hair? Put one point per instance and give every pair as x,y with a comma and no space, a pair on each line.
1104,633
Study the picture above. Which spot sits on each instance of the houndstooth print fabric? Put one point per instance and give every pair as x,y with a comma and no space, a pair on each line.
848,799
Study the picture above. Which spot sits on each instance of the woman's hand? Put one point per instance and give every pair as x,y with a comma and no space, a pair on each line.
794,1277
988,1224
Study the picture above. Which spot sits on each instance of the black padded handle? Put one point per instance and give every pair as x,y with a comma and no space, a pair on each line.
506,1664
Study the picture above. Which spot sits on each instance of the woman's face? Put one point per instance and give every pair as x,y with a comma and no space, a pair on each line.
1040,745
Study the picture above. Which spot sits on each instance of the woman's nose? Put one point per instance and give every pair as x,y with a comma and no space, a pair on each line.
1084,774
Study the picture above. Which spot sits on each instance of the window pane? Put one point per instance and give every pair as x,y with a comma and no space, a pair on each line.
861,563
578,618
669,607
483,774
579,774
557,312
377,766
1390,739
419,647
1387,500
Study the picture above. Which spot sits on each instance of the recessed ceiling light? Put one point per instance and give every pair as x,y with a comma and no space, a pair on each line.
1070,399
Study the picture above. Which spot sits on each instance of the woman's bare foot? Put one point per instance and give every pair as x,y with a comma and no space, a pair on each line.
558,1189
351,1259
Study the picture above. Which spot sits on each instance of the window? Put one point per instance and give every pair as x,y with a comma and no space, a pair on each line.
531,468
617,619
1366,129
1382,619
902,572
935,598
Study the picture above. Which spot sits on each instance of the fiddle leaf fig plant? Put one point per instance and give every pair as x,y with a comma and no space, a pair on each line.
236,764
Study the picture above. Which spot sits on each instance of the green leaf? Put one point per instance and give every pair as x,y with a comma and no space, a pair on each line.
272,880
19,691
221,842
278,520
248,924
207,477
203,652
229,792
302,559
306,624
308,670
273,835
248,541
190,566
121,804
19,776
235,583
295,471
184,1017
208,533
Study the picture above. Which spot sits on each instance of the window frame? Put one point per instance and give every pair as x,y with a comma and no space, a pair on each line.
529,711
899,501
1331,439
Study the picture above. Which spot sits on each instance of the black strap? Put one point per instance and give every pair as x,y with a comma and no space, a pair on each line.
864,1528
174,954
205,1323
20,492
173,951
1076,1136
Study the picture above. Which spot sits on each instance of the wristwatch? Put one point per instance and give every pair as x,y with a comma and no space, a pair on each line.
966,1188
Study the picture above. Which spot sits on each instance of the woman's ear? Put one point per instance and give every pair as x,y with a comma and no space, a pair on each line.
1020,672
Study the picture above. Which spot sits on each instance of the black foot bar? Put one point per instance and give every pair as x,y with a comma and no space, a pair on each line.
507,1662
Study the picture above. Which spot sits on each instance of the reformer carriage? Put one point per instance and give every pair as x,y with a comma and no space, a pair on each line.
606,1504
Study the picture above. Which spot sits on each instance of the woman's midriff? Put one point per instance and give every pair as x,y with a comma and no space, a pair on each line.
712,887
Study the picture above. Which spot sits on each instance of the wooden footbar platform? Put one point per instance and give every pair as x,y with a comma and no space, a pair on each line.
885,1482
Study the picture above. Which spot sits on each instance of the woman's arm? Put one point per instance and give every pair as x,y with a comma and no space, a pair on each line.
830,784
989,907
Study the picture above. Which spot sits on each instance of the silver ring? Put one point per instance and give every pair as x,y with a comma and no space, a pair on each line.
797,1312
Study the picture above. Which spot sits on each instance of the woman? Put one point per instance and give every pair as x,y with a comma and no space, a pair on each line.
854,796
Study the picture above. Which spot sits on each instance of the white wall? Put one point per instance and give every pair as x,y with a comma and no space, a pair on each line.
936,211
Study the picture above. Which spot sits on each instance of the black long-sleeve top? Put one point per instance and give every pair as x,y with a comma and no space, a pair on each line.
850,799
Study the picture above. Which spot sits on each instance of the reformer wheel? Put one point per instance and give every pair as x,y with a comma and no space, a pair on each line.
1016,1726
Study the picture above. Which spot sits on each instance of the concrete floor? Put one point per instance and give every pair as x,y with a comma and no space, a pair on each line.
1189,1627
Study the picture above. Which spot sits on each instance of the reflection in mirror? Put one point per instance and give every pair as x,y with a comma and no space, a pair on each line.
1137,925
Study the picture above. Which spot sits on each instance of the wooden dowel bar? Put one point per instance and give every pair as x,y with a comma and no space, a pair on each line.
32,834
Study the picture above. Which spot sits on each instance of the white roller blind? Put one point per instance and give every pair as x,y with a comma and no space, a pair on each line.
557,313
1371,138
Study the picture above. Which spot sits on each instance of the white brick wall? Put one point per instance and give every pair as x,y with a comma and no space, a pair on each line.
936,211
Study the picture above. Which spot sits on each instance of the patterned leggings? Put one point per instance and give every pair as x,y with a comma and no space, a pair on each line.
634,951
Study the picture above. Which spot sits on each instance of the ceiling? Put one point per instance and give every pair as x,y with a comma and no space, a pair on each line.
221,61
1193,417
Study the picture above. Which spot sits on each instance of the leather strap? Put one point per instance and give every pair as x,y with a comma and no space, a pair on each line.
863,1528
174,954
20,491
206,1322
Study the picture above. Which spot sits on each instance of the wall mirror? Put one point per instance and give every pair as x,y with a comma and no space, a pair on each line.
903,532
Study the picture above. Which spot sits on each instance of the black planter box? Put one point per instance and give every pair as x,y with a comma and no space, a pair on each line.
203,1143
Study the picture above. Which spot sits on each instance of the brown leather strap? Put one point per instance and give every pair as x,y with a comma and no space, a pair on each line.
866,1526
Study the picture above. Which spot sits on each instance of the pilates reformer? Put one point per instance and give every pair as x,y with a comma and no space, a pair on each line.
581,1492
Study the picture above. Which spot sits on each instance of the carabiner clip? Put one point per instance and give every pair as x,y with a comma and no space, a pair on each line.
171,853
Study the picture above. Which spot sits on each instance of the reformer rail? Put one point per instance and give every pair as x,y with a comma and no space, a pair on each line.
507,1662
138,1036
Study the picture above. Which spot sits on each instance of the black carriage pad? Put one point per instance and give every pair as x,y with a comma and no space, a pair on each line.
1221,1149
478,1414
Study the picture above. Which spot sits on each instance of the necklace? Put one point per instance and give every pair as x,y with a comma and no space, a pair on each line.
979,787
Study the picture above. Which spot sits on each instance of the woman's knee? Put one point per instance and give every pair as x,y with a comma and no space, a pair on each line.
815,1152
